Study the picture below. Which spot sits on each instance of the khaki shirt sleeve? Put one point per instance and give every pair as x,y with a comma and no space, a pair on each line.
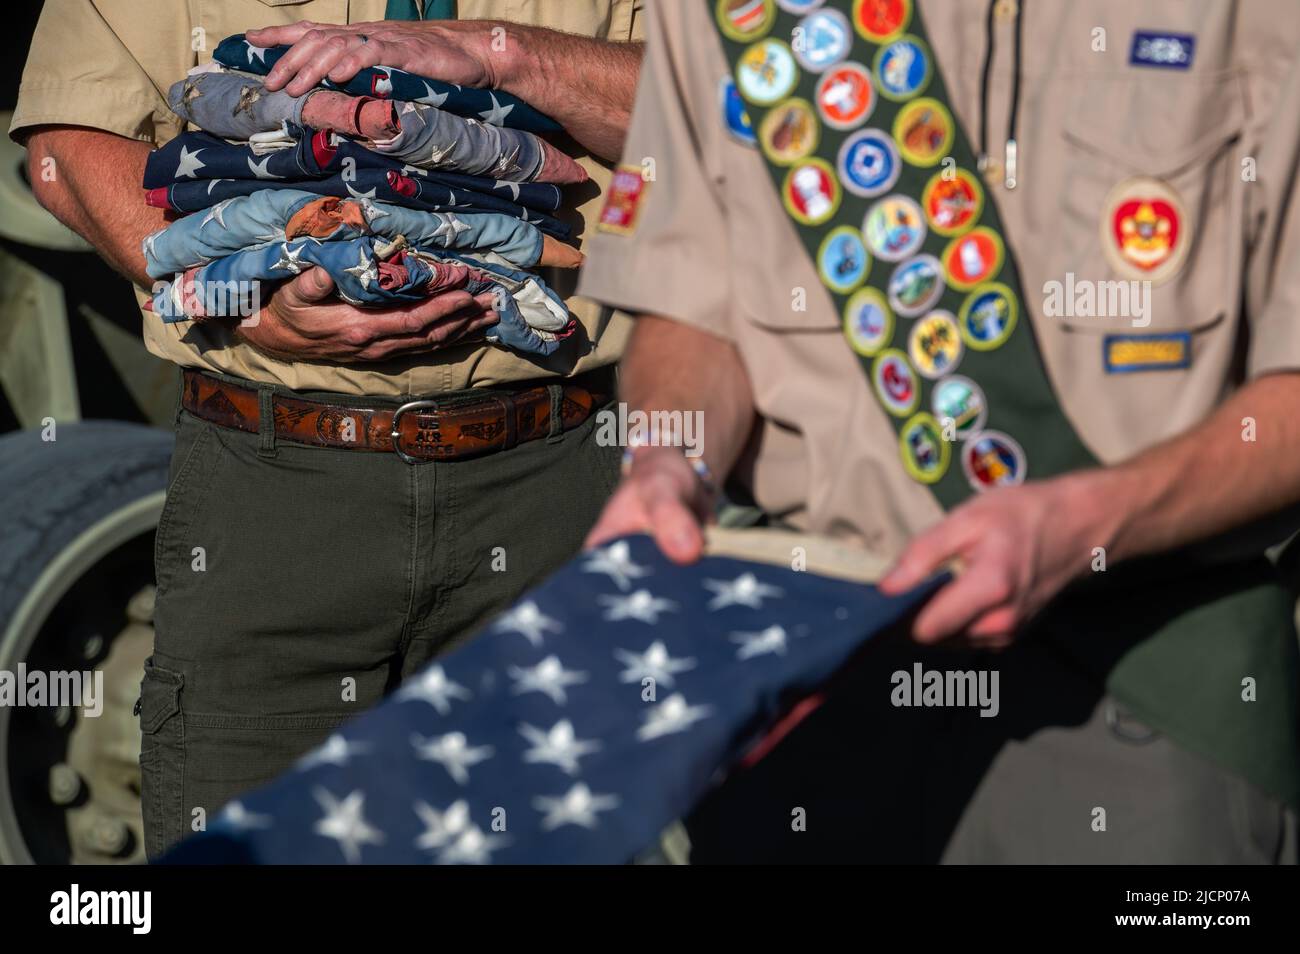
80,71
1273,276
672,261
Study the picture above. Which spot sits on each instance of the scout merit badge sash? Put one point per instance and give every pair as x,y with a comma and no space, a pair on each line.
848,107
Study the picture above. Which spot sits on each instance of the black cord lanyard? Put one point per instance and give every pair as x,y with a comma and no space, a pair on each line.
1012,149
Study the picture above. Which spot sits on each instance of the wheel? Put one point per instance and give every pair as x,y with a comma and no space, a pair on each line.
77,521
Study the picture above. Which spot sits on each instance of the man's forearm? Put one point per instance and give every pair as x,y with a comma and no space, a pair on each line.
1207,481
670,366
585,85
92,185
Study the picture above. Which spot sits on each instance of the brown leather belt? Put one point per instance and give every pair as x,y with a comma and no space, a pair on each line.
447,429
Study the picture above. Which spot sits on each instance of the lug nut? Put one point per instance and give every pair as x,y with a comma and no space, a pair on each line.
65,784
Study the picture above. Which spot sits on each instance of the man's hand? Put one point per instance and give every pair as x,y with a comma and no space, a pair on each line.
585,85
456,51
1014,549
662,496
299,324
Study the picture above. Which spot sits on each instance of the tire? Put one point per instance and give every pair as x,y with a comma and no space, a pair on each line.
77,519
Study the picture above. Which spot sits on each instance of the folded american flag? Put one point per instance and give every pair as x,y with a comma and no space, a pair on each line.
580,724
382,82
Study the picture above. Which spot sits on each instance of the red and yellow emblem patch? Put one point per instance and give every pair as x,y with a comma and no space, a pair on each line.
623,201
1145,233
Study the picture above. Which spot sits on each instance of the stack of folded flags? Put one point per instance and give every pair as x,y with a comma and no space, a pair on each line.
400,187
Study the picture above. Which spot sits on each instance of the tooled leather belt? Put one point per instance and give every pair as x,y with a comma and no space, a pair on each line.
448,429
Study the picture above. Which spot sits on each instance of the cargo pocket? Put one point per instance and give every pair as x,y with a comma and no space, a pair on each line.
162,758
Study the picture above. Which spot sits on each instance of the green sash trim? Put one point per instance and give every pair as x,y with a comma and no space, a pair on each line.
837,91
409,10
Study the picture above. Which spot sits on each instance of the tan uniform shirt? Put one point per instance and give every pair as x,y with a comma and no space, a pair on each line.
714,248
107,64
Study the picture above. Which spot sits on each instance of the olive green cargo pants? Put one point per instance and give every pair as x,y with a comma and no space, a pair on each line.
297,585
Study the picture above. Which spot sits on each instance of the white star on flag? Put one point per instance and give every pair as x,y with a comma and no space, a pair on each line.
615,561
337,750
433,686
496,115
345,822
770,640
473,847
430,98
549,677
448,228
236,816
453,752
671,715
256,51
216,212
290,259
189,164
441,827
510,184
360,195
559,747
577,806
262,170
654,663
642,605
744,590
529,621
365,270
215,181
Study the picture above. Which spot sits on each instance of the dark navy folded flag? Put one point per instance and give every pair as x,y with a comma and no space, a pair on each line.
315,154
383,82
580,724
414,192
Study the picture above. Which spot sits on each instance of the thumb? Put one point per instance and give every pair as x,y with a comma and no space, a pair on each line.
313,284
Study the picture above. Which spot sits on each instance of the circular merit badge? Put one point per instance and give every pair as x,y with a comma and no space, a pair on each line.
903,68
895,382
987,317
952,203
959,399
868,163
745,20
789,132
881,20
845,96
915,286
894,228
766,72
934,344
925,452
799,7
868,322
973,258
923,130
992,459
822,39
1144,230
811,192
842,260
734,116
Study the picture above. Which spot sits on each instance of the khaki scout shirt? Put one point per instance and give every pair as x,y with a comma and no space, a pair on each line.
107,64
714,248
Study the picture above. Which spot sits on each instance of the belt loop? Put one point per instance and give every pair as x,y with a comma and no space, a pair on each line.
556,392
265,423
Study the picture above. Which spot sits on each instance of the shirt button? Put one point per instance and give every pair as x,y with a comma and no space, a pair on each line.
1005,10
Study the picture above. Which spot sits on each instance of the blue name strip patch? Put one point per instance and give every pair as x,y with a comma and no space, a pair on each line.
1170,51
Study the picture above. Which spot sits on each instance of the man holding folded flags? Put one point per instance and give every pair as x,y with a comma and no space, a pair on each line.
301,575
838,260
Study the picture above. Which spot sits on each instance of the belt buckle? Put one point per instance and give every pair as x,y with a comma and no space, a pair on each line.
396,434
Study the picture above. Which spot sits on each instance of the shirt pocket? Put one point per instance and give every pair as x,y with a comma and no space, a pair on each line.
1152,191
